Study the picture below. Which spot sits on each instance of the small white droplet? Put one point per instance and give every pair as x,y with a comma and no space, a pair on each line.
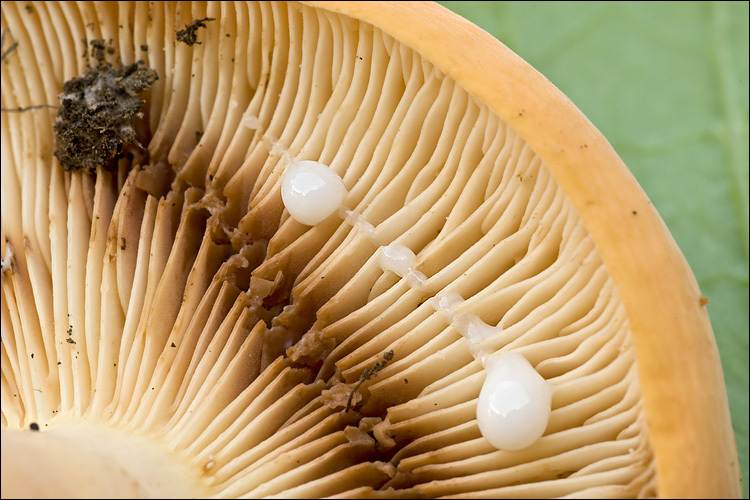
480,354
251,122
446,304
311,191
416,279
276,148
514,404
473,328
6,261
358,221
396,258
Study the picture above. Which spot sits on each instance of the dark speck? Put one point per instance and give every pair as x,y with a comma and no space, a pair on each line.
34,426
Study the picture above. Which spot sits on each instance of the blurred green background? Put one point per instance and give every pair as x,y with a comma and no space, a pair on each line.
667,84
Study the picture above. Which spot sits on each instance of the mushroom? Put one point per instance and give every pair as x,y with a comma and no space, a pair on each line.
339,245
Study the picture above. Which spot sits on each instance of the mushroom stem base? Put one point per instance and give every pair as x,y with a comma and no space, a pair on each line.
91,461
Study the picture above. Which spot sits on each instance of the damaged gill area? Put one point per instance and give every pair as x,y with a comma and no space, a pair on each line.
95,130
177,222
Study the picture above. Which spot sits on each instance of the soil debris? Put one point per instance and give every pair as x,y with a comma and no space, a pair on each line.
188,36
94,125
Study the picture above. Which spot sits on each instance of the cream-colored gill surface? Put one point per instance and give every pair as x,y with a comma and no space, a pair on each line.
179,301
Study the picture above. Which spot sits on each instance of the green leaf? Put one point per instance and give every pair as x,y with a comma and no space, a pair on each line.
667,84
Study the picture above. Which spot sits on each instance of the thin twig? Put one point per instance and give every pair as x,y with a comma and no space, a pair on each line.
10,49
29,108
369,372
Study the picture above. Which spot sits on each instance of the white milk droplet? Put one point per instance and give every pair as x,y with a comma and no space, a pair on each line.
6,262
480,354
514,403
396,258
311,191
277,149
358,221
251,121
446,304
473,328
416,279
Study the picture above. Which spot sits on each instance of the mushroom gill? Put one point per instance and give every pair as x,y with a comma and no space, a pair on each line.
169,329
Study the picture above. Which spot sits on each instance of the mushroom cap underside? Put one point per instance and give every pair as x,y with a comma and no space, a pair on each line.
170,301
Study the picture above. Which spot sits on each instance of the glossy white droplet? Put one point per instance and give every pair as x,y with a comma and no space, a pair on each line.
311,191
514,404
397,258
